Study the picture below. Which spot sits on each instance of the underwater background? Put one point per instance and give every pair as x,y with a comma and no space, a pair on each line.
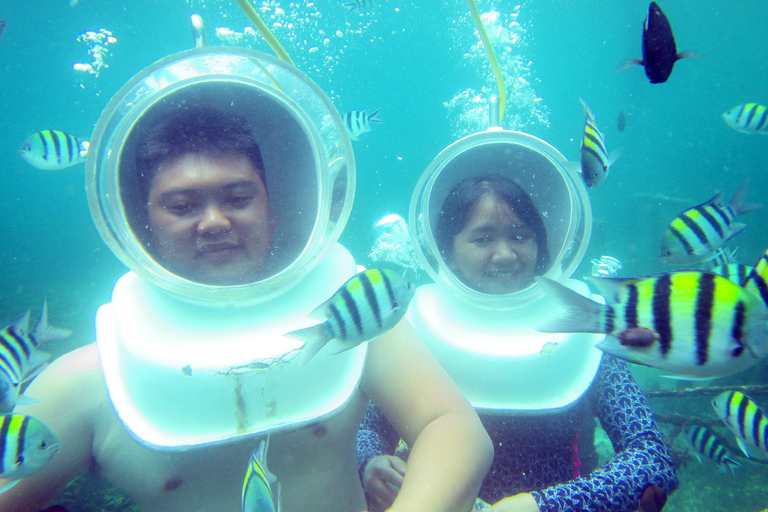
421,63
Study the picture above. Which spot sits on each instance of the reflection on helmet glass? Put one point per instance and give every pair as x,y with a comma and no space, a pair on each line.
491,235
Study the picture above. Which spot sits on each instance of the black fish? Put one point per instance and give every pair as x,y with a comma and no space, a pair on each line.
622,122
2,27
659,49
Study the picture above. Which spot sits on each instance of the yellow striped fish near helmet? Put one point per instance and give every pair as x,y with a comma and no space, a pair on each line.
257,486
365,307
27,445
52,150
695,324
748,118
744,418
359,122
696,234
707,443
595,161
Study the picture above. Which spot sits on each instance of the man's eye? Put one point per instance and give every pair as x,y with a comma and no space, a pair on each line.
180,207
240,200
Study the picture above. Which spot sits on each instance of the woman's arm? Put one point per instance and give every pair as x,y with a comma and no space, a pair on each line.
450,449
641,455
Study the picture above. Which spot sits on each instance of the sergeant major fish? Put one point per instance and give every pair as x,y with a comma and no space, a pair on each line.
365,307
696,234
659,48
52,150
744,418
695,324
359,122
20,361
594,159
707,443
749,118
257,487
26,446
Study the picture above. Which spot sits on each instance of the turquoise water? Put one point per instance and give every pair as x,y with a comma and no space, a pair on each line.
409,59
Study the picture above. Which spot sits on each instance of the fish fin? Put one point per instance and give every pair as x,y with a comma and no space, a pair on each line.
687,54
581,314
698,457
609,287
736,228
732,465
615,154
314,339
8,485
21,324
26,400
743,447
38,361
372,117
350,8
737,202
260,454
44,332
587,111
574,167
628,64
717,199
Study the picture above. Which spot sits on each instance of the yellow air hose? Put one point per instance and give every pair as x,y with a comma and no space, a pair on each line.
491,57
262,27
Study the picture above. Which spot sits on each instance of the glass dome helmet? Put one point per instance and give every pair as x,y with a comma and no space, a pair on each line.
308,164
557,194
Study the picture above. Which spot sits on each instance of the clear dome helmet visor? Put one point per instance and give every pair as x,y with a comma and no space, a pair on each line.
558,195
306,153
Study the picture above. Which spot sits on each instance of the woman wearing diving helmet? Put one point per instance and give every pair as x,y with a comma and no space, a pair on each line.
491,212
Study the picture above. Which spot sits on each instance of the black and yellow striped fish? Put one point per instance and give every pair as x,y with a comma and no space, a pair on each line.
52,150
707,443
744,418
748,118
26,446
696,234
258,495
364,308
594,158
735,272
20,359
359,122
695,324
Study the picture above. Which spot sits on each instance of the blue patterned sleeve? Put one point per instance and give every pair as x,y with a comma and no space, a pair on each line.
641,455
376,436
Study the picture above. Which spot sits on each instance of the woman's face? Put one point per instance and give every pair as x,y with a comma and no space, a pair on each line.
495,252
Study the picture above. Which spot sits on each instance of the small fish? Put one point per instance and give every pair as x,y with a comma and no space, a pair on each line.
359,122
357,5
659,49
26,445
744,418
365,307
707,443
737,273
749,118
696,234
621,123
723,256
695,324
52,150
198,31
257,486
20,361
594,160
2,27
653,499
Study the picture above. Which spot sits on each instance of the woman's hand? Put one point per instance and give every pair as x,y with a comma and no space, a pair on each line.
523,502
382,478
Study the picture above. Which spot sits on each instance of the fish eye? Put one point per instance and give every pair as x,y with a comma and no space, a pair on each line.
43,444
737,351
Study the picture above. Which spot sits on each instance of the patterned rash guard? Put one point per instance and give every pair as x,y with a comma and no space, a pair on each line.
538,454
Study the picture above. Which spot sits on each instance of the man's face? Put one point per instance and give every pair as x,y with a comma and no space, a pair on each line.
210,219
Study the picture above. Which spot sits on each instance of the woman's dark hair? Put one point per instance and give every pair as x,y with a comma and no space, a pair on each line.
196,129
463,197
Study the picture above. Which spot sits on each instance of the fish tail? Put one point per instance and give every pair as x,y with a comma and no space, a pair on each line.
372,116
44,332
587,110
732,465
757,282
581,314
314,338
738,204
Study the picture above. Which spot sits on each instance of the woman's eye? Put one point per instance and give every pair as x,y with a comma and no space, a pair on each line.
180,207
239,200
481,240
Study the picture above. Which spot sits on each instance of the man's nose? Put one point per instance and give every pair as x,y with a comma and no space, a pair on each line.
213,221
